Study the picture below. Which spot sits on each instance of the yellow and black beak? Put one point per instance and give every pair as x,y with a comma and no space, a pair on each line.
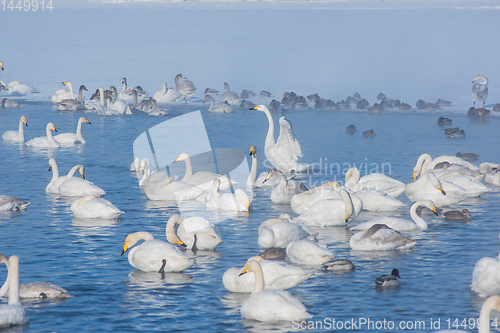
244,270
434,210
125,248
442,191
414,176
254,108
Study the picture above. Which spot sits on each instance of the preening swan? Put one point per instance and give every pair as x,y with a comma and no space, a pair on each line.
400,224
278,232
127,93
223,107
16,136
306,252
8,202
185,88
167,95
303,201
378,181
44,141
286,189
389,280
277,275
13,314
425,162
479,89
230,96
261,180
72,138
154,255
380,237
428,187
71,104
284,153
270,304
63,94
237,201
195,232
94,208
78,187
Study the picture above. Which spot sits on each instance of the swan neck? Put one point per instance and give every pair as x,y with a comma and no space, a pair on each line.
80,94
283,180
5,287
115,95
189,170
484,318
79,130
49,136
253,171
101,96
164,89
172,222
55,172
270,131
70,87
420,222
72,171
21,130
259,279
347,202
14,281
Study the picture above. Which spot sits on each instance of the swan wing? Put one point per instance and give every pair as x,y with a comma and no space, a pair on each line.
287,144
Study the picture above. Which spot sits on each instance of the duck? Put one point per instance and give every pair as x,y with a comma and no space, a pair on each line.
369,134
457,135
16,87
185,88
284,153
195,233
307,252
270,304
286,189
279,232
246,93
7,102
380,237
72,104
442,121
13,313
63,94
486,277
479,89
16,136
378,181
223,107
72,138
389,280
339,265
457,215
400,224
44,141
351,129
79,187
8,202
166,95
260,181
273,253
237,201
93,207
154,255
469,157
428,187
229,96
277,275
126,93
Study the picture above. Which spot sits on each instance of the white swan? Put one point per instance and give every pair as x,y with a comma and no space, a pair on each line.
97,105
13,314
286,189
170,190
284,153
378,201
491,303
380,237
157,178
127,93
303,201
185,88
261,180
306,252
332,212
472,187
491,172
166,95
16,87
400,224
135,165
154,255
17,136
229,96
378,181
195,232
63,94
53,185
479,89
8,202
78,187
279,232
94,208
156,110
270,304
72,104
486,277
7,102
72,138
44,141
425,162
237,201
117,105
277,275
428,187
223,107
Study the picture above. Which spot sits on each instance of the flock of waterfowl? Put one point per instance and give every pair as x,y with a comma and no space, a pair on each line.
440,183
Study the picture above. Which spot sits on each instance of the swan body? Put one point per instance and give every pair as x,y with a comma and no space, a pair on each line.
223,107
425,162
117,106
13,314
154,255
378,181
63,94
10,203
479,89
237,201
401,224
472,187
491,172
16,136
428,187
7,102
380,237
388,280
196,233
261,180
229,96
284,153
72,104
277,275
486,277
127,93
378,201
78,187
167,95
286,189
304,251
171,190
303,201
44,141
279,232
185,88
270,304
18,88
93,207
157,179
72,138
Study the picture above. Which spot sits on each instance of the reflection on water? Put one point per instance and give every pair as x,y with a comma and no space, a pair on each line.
150,280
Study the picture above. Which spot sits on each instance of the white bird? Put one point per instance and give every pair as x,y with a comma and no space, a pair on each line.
16,136
284,153
303,201
400,224
156,178
8,202
53,185
64,94
388,280
229,96
491,172
94,208
428,187
135,165
7,102
44,141
261,180
472,187
222,107
425,162
72,104
72,138
378,201
491,303
270,304
486,277
279,232
195,233
97,105
78,187
117,106
13,314
277,275
378,181
154,255
237,201
167,95
479,89
286,189
380,237
127,93
16,87
306,252
185,88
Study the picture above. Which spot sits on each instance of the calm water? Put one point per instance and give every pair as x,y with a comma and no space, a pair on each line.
84,256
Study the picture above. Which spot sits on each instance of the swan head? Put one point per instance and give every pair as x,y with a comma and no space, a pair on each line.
84,120
478,77
132,239
253,150
182,157
251,266
50,126
52,163
81,169
217,183
1,65
270,174
24,120
260,107
172,222
124,81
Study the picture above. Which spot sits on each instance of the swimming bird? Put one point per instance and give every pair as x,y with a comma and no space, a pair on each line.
16,136
7,102
237,201
8,202
378,201
211,92
486,277
380,237
351,129
194,232
389,280
279,232
229,96
154,255
378,181
44,141
126,93
13,313
166,95
270,304
246,93
479,89
286,189
284,153
117,106
273,253
307,252
441,192
442,121
457,215
78,187
260,181
303,201
156,110
73,138
63,94
457,135
470,157
223,107
339,265
369,133
72,104
16,87
94,208
426,162
185,88
491,172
